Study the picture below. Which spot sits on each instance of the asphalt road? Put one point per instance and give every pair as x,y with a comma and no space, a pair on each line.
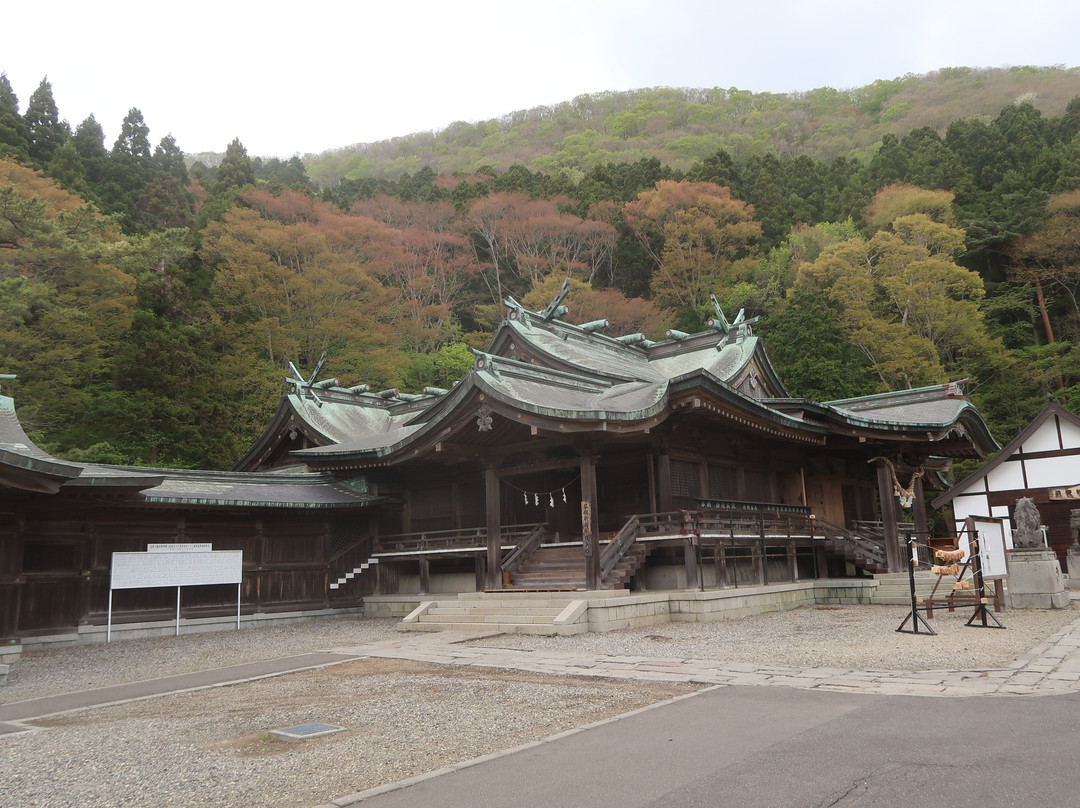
773,747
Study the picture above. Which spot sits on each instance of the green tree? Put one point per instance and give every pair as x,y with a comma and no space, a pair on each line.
704,232
129,173
904,302
166,202
89,140
236,170
46,132
72,306
14,136
66,167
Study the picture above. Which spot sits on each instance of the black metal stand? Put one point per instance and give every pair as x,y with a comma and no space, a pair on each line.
914,616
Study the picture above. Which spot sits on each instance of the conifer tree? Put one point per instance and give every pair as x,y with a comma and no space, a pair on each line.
89,140
129,172
66,167
46,131
13,132
235,170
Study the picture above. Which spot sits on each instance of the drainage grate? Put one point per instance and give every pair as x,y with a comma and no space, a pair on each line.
303,732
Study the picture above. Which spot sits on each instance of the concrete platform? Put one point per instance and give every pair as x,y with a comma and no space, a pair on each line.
578,612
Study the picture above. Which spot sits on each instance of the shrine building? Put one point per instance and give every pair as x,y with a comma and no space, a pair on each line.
564,460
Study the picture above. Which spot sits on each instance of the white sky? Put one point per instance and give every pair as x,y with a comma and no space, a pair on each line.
300,77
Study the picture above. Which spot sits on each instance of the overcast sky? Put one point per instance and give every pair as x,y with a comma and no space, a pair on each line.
300,77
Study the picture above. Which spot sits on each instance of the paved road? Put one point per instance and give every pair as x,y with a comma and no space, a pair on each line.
772,747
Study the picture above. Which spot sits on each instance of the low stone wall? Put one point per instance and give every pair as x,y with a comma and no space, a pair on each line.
691,606
167,628
610,611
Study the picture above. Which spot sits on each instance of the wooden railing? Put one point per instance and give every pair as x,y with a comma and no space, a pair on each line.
462,539
350,557
619,544
876,530
525,548
748,521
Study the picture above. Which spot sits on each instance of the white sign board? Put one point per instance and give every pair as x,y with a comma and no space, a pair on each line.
991,535
187,568
176,565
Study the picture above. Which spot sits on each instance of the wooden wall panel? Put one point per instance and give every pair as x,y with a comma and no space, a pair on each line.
48,605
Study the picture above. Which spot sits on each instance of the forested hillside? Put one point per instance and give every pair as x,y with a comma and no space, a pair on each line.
682,126
151,310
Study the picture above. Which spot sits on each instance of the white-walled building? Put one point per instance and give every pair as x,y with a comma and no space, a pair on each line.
1042,462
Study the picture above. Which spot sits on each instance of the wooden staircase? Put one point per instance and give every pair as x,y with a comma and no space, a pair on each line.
862,552
561,568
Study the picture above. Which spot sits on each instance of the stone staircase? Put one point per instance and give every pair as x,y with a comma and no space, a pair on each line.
894,589
521,612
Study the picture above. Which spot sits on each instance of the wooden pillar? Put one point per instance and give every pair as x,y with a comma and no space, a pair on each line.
821,561
792,562
494,545
650,465
720,562
589,512
690,557
425,575
481,572
758,556
664,499
918,510
455,505
890,514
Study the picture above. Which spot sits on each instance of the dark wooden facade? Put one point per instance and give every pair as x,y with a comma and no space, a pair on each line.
55,558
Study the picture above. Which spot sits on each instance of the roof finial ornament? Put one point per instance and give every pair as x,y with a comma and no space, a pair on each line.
309,385
741,324
719,321
555,308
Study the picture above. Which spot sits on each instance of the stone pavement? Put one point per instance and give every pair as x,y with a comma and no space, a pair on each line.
1051,667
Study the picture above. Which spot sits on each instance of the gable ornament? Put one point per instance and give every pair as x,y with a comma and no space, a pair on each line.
483,418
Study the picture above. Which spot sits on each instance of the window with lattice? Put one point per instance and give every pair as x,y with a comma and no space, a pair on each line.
685,478
723,483
758,486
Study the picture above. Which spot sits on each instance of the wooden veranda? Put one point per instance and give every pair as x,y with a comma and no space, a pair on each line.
745,544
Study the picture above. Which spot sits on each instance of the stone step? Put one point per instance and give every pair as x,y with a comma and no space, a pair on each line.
490,619
508,627
518,608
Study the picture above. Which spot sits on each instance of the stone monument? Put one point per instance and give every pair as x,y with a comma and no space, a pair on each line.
1035,579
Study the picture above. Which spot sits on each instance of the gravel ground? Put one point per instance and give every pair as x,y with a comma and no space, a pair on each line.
82,667
210,748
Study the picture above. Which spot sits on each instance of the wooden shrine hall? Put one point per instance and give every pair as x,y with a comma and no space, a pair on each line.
570,459
565,459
